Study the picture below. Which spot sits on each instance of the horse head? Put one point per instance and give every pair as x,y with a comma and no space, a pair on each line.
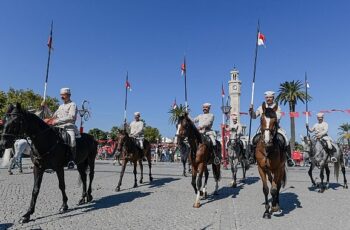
121,139
14,125
268,125
182,127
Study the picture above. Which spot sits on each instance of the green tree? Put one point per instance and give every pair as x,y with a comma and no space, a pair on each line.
175,113
98,134
114,132
344,132
291,92
152,134
27,98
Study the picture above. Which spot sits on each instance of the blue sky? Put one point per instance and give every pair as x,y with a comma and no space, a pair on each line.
96,42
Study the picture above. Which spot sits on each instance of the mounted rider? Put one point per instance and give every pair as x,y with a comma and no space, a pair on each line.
65,118
270,103
137,129
236,131
205,122
321,132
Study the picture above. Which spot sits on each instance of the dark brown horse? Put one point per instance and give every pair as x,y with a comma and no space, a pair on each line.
201,155
130,151
271,160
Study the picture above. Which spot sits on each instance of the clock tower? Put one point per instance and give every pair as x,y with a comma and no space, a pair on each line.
235,93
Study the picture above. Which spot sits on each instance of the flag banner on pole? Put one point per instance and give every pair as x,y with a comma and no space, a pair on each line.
183,68
261,39
174,104
222,91
294,114
307,113
128,85
307,85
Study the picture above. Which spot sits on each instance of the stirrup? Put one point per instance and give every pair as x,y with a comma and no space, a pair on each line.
71,165
334,160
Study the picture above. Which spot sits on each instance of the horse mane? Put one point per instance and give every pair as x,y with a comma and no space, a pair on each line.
192,128
31,116
269,112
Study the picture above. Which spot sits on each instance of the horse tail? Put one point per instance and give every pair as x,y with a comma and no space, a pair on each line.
336,170
6,158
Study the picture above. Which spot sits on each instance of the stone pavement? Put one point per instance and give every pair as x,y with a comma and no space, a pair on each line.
166,203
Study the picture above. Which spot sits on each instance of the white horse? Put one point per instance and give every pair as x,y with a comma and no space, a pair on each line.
20,148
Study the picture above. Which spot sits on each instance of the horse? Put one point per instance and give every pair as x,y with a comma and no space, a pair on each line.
319,157
236,155
49,152
130,151
270,159
201,155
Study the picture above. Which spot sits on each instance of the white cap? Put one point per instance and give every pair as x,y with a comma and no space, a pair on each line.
65,91
137,114
206,104
269,94
320,114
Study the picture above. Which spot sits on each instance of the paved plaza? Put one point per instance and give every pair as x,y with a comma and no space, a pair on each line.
166,203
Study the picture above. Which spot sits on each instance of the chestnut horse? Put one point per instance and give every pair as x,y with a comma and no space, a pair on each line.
130,151
200,156
271,159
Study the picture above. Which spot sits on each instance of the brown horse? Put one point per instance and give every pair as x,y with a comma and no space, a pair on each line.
271,160
200,156
130,151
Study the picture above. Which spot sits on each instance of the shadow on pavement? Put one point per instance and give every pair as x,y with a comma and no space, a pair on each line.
288,202
5,225
115,200
162,181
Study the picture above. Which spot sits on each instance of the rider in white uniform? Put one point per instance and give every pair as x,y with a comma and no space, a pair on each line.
136,129
321,132
270,103
65,117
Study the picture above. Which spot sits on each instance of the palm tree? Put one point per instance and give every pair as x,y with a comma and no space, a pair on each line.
291,92
176,112
345,132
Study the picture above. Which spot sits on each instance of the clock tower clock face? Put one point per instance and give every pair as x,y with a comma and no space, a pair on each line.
235,87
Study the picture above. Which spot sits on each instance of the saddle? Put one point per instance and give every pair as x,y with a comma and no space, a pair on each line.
63,135
280,139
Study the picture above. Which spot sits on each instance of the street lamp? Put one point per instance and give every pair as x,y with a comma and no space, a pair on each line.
225,110
84,114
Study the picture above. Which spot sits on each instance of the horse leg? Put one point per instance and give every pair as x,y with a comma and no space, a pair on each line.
91,178
194,176
201,169
206,176
267,214
327,174
244,168
117,189
234,172
82,172
62,186
149,160
38,177
343,171
312,166
184,167
141,168
322,188
135,174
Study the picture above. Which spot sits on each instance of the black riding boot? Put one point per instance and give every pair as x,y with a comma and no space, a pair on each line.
72,155
331,154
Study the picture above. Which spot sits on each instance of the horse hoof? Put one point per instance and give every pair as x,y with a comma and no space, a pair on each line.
205,195
196,205
267,215
201,193
81,201
89,198
10,173
141,182
346,186
24,220
135,186
63,209
184,174
275,209
151,179
117,189
321,190
234,185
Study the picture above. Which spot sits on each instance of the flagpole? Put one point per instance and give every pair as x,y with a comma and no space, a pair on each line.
253,84
185,73
126,97
48,60
307,106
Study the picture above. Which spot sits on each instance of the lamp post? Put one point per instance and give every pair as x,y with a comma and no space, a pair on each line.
225,110
84,114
